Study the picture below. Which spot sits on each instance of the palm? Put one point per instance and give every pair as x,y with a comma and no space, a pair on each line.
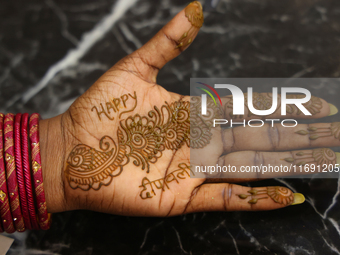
89,126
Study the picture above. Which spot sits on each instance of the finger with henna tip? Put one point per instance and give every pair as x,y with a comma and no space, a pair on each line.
167,44
231,197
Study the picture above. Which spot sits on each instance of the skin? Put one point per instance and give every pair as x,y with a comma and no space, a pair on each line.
136,74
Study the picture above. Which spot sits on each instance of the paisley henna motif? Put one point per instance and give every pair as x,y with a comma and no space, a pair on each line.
90,168
280,195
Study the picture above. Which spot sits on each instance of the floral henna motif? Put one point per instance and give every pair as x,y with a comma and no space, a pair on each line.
280,195
319,157
314,105
178,129
200,125
146,137
142,138
320,132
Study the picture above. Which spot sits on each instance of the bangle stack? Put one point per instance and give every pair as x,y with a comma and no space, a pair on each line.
22,196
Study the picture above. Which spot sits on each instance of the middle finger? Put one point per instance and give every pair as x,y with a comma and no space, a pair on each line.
279,138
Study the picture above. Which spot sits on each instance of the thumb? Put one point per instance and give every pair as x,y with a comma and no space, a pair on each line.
167,44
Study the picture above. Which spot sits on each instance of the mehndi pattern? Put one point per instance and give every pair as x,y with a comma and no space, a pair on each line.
280,195
141,140
319,157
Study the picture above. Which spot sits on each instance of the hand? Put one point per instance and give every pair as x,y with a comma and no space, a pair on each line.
123,147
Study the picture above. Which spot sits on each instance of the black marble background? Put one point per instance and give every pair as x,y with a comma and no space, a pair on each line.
52,51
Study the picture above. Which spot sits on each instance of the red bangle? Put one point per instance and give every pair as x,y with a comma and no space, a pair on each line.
11,174
2,194
20,173
26,164
43,216
5,211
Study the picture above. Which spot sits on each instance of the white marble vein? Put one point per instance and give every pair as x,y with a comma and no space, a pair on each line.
121,40
145,237
252,238
179,240
87,41
331,246
297,249
86,7
64,22
129,35
334,200
335,224
322,215
234,241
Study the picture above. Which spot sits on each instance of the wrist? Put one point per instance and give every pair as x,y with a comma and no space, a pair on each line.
52,152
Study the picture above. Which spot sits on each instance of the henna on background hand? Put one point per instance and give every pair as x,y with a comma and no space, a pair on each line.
320,132
181,173
263,101
319,157
280,195
314,105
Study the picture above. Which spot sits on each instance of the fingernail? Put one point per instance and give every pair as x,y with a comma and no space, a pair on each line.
332,110
337,157
298,199
194,13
